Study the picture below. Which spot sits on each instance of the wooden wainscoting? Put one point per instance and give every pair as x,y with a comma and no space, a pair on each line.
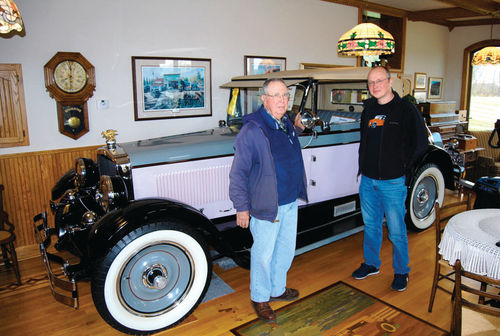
28,179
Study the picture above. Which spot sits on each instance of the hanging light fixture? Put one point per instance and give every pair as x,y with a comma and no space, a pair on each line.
10,18
367,40
487,55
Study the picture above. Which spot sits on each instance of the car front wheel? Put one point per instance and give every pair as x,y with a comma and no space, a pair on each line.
152,279
427,187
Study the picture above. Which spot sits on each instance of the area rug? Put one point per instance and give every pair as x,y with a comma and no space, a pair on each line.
339,310
217,288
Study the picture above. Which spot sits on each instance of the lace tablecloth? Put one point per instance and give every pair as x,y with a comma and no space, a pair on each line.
471,237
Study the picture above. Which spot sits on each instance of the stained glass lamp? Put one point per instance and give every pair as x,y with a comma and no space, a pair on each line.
10,18
366,39
487,56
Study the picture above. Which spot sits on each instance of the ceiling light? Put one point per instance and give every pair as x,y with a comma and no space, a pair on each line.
487,56
366,39
10,18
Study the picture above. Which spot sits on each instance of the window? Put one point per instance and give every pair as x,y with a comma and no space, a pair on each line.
480,94
484,97
13,126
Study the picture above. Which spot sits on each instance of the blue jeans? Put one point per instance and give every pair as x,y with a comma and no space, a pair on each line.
379,197
272,252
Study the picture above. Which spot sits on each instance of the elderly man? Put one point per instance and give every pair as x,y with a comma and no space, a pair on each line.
266,179
393,135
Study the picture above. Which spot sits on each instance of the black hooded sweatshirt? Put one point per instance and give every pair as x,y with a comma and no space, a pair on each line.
393,136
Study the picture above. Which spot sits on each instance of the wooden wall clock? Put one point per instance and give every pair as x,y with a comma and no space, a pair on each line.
70,80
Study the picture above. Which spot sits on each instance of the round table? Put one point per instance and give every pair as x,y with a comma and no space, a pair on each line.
471,236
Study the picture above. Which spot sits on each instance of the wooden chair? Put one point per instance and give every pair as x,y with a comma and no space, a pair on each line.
462,284
7,238
442,270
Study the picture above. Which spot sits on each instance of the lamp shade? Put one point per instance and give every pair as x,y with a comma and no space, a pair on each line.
10,18
486,56
366,39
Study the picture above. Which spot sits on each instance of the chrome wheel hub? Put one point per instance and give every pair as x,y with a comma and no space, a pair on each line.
155,277
423,196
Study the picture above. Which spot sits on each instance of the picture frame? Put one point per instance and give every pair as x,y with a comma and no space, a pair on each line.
435,88
420,81
257,65
407,81
420,96
171,87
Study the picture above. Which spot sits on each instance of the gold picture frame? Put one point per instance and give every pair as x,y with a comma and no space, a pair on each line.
420,83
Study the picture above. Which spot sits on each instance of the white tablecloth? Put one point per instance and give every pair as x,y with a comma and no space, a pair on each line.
471,237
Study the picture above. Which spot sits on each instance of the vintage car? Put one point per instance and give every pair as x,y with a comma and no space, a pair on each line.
149,217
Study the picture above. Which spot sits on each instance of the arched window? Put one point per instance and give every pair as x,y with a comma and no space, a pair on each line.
480,94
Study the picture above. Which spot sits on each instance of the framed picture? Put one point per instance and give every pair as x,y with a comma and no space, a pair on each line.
406,79
435,87
166,87
420,96
420,81
257,65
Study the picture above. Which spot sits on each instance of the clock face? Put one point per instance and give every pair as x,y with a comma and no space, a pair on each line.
70,76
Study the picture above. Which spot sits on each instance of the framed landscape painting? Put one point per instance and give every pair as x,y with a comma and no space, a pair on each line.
257,65
420,81
420,96
166,87
435,87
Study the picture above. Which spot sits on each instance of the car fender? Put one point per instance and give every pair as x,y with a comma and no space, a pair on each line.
442,159
116,224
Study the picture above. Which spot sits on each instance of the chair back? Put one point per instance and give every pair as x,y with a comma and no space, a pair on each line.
442,270
5,225
467,294
1,197
445,212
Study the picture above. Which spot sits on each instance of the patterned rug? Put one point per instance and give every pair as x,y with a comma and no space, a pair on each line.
339,310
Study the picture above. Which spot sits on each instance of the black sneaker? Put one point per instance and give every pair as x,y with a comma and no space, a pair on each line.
364,270
399,283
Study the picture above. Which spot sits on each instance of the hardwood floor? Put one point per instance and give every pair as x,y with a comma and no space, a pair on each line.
33,311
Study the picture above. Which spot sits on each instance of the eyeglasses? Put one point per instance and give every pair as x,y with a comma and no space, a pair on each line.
378,81
279,96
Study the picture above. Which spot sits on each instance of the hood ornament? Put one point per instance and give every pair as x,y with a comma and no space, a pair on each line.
109,135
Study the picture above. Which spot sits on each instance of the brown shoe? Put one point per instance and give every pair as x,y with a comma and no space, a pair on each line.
290,294
264,311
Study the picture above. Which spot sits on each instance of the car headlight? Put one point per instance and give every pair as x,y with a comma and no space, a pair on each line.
113,192
87,173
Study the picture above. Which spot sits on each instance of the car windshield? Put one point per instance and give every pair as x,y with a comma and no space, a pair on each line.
336,102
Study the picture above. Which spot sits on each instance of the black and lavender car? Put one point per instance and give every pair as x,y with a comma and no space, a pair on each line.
149,217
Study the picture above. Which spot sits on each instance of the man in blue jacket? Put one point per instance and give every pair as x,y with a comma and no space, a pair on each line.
393,136
267,177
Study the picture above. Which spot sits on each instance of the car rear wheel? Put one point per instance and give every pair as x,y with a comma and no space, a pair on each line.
152,279
428,187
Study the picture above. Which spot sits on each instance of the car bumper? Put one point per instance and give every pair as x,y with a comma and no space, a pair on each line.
64,291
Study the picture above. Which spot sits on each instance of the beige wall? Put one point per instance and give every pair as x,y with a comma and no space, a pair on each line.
426,49
109,32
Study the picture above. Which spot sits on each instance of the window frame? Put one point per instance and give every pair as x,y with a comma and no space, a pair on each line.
467,71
